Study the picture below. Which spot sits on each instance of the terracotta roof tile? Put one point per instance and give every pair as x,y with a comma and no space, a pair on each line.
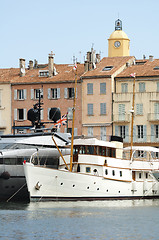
142,70
116,62
65,73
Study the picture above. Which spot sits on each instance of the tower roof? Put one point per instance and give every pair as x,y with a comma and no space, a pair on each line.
118,34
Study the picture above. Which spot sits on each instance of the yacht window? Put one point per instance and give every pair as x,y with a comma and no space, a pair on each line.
106,171
120,173
146,175
1,160
139,175
10,161
88,169
113,172
113,153
90,150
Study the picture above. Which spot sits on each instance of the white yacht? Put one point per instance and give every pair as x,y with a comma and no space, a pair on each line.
12,178
99,170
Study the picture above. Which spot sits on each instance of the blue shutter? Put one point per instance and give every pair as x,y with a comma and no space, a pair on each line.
116,130
134,133
145,133
126,134
152,133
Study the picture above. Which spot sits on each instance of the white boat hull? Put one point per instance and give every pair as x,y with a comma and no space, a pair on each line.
64,185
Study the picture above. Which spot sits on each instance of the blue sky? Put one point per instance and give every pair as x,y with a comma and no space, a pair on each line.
32,29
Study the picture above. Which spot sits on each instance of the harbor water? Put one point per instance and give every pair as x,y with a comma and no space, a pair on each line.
113,220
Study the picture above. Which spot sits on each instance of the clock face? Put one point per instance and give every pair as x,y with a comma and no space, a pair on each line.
117,44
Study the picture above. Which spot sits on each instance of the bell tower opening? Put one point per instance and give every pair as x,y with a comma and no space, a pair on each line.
118,42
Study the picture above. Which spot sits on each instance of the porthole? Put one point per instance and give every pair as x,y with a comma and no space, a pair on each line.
62,183
97,188
87,187
73,185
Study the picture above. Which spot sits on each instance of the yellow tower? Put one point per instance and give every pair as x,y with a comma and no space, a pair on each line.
118,42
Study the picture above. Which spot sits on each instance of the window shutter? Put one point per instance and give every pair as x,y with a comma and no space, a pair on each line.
15,114
49,93
134,133
70,113
116,130
32,93
75,131
58,93
145,133
42,114
65,93
48,111
25,114
152,133
15,94
25,94
126,133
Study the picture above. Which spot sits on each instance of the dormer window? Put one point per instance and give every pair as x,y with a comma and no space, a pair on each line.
43,73
156,68
107,68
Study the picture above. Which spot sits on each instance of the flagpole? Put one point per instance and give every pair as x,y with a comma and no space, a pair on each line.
73,120
132,114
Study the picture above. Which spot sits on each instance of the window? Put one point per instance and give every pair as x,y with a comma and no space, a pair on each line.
140,131
157,86
43,73
35,93
107,68
70,92
142,87
90,131
102,108
89,88
113,172
103,88
90,108
103,133
139,109
157,131
139,175
106,171
70,113
19,94
156,110
20,114
124,87
53,93
122,131
121,112
120,173
88,169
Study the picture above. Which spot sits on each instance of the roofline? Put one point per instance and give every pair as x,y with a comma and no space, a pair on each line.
33,83
102,76
139,76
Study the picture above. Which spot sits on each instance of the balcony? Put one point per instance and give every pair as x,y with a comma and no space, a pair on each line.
153,117
121,118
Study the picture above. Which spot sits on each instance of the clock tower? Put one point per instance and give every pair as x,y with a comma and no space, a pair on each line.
118,42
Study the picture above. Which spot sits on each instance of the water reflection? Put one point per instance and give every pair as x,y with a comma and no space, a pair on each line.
137,220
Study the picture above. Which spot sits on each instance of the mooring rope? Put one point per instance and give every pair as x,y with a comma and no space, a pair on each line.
15,193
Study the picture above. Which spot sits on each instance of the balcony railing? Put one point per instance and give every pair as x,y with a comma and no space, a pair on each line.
153,117
121,118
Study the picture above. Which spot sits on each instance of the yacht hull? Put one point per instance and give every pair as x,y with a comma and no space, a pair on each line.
46,184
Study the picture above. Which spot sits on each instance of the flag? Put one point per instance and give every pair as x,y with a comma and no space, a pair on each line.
132,74
75,67
62,121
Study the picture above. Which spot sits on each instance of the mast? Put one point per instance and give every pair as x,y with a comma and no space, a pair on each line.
73,120
132,113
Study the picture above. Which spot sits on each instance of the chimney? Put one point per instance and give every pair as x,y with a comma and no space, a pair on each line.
86,66
89,56
22,67
151,58
35,63
97,58
51,64
30,64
